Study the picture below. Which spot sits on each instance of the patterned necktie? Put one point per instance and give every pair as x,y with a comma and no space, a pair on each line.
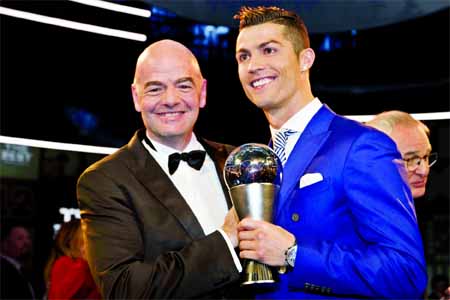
280,143
194,159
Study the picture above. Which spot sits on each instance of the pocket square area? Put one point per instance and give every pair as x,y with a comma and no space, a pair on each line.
310,178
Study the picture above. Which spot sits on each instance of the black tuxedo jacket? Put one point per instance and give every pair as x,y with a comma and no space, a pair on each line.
14,285
143,240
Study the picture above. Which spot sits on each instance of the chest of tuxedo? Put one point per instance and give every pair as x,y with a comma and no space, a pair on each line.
164,219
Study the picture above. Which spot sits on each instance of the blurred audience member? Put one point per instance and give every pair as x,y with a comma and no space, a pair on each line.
15,248
440,286
411,137
67,272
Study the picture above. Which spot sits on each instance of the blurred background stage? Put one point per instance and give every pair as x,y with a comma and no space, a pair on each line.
70,86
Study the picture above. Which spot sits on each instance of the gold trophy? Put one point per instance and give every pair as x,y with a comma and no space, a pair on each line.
252,173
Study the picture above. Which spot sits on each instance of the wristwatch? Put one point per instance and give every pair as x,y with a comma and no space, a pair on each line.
291,254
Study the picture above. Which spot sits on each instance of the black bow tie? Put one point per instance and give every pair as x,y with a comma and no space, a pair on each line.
194,159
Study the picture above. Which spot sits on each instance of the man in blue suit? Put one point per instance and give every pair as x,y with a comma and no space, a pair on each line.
344,224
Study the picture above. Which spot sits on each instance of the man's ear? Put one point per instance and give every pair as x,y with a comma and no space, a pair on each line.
134,93
203,94
306,57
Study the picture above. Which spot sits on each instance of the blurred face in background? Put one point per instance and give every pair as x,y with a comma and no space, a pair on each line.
18,243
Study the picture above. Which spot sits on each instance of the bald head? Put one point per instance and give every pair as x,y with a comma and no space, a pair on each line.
163,55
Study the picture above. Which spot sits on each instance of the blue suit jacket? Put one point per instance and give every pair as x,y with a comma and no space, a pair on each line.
356,229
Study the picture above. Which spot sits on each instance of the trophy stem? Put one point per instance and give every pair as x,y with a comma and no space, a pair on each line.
256,272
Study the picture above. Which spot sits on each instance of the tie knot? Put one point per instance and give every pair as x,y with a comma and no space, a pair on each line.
280,142
284,134
194,159
184,156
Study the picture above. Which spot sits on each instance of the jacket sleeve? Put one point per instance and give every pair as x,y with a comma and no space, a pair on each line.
125,266
391,263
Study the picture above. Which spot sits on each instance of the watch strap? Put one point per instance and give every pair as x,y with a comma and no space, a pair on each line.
290,255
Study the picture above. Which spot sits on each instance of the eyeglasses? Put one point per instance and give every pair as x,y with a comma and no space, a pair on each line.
414,162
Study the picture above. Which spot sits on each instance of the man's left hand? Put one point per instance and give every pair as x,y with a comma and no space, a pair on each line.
264,242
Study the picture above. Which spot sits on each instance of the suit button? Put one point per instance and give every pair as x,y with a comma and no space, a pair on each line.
295,217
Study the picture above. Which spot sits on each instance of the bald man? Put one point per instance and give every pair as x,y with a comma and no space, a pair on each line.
153,212
411,138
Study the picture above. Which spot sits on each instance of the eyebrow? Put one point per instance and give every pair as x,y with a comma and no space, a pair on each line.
415,153
149,83
260,46
178,81
184,79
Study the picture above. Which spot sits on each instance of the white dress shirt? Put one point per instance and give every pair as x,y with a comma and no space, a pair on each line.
201,189
297,123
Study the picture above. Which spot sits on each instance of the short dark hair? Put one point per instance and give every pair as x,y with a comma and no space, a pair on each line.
295,29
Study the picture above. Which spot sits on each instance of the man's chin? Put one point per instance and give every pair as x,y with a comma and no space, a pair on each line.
261,103
418,193
174,135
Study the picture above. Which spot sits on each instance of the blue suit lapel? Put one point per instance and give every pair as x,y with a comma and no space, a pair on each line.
309,143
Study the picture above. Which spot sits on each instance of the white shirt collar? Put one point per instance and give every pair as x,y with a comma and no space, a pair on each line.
161,152
13,261
193,144
297,123
300,119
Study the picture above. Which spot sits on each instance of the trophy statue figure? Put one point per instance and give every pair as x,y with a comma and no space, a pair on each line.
253,173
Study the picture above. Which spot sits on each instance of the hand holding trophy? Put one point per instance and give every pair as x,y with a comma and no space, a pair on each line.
253,173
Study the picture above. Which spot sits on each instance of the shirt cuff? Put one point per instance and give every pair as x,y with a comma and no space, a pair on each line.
236,260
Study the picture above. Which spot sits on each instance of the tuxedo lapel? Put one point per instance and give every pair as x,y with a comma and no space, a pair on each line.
314,136
150,174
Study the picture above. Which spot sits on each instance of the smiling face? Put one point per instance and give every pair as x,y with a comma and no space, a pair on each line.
169,91
413,142
273,77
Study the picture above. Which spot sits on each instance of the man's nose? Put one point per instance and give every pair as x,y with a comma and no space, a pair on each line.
256,64
423,168
171,97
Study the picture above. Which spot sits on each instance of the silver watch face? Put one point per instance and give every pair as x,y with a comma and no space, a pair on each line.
290,256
